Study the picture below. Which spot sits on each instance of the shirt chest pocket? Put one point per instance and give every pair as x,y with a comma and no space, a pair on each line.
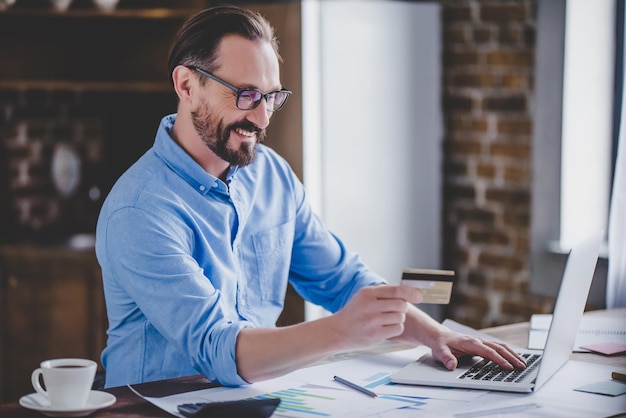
272,249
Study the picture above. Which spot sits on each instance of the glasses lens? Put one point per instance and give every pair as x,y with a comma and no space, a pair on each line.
271,101
248,99
279,99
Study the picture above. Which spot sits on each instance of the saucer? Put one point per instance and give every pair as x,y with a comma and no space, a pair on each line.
96,400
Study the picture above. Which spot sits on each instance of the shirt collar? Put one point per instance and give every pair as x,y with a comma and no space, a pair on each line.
182,164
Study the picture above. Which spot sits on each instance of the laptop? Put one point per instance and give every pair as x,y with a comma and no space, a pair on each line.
478,373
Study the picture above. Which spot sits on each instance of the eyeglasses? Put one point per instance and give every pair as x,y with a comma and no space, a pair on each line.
248,99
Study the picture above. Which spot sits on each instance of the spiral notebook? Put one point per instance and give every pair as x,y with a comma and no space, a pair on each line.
592,331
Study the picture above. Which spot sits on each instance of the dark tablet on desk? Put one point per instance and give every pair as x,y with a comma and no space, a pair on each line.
249,408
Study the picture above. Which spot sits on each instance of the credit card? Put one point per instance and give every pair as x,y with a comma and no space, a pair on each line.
435,285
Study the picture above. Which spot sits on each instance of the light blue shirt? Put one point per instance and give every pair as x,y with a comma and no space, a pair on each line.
188,261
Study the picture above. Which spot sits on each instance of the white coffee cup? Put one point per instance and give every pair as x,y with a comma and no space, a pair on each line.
68,381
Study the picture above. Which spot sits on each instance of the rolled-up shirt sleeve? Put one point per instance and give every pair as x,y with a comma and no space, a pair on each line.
156,271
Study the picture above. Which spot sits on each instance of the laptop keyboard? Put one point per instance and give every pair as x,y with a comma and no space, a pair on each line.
488,370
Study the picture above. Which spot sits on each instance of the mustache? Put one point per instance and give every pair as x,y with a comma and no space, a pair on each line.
246,125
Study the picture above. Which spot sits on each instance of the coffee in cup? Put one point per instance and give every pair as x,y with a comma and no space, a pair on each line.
67,381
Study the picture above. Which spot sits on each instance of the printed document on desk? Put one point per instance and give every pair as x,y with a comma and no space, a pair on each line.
312,391
298,399
315,393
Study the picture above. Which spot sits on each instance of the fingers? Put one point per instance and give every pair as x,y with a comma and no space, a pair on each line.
500,354
373,315
386,313
508,354
384,308
461,345
445,356
391,305
491,353
390,318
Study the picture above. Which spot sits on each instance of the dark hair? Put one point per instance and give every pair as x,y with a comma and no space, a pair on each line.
197,40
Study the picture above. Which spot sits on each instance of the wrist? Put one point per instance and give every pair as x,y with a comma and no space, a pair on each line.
420,328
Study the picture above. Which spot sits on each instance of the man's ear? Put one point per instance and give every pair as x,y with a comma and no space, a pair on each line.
184,83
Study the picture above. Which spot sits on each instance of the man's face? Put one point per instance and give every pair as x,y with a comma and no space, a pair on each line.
216,136
229,132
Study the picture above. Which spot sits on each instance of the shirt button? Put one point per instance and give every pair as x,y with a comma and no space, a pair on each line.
202,188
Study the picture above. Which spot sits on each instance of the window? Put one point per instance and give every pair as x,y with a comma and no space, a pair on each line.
574,134
372,163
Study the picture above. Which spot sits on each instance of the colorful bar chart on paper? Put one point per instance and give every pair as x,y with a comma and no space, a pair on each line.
310,401
300,401
377,380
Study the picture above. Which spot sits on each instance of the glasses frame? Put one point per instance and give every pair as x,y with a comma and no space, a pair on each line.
238,92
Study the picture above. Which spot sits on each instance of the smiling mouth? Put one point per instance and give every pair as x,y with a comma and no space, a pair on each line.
246,133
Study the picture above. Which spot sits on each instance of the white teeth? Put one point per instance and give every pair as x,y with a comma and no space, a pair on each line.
244,133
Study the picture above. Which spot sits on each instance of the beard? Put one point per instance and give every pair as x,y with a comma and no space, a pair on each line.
216,136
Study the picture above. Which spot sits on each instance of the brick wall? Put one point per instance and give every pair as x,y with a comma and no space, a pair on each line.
488,70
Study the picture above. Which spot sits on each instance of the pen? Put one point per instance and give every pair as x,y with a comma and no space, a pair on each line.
619,376
355,386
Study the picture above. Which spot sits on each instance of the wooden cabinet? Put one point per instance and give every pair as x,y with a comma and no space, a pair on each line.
87,49
51,305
